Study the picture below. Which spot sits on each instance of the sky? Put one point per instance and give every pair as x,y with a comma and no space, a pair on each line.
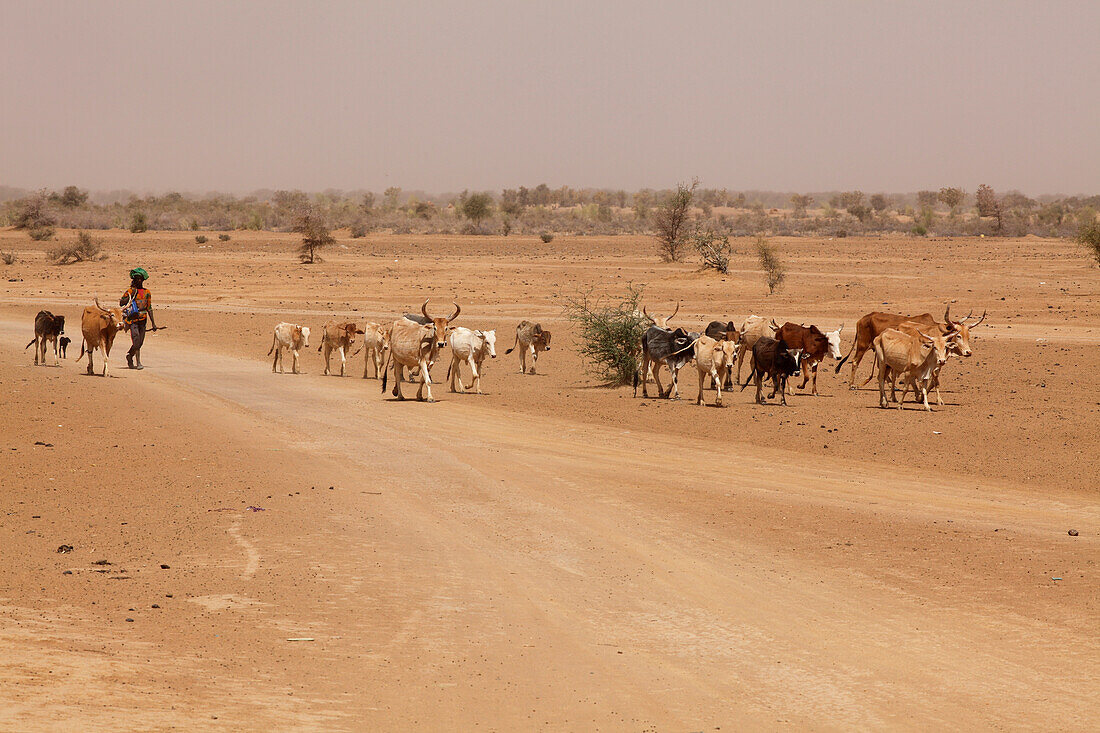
443,96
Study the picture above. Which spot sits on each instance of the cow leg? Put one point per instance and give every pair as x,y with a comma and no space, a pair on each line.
106,358
674,388
904,388
475,381
456,365
759,376
90,362
425,382
534,359
398,372
860,351
717,379
702,381
367,360
655,367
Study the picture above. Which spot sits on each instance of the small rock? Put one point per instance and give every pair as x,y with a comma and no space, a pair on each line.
64,548
102,562
156,605
130,620
163,566
67,572
1073,533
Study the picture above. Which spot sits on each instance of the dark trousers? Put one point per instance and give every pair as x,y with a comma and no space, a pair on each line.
137,335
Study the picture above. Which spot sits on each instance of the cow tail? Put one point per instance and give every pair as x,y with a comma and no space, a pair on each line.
320,345
841,362
274,338
636,371
33,340
386,372
82,351
514,345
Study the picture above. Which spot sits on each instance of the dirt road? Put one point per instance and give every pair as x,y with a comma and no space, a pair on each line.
472,568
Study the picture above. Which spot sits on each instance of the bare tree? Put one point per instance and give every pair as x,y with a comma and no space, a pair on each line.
988,204
801,202
310,223
671,221
927,199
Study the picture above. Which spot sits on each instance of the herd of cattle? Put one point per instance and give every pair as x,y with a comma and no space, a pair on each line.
911,348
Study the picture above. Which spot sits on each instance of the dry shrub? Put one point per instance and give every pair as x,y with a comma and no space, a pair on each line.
223,237
546,237
86,248
671,221
139,223
8,258
714,248
41,234
610,333
774,272
201,239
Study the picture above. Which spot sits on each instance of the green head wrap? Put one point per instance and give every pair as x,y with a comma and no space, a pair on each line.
139,272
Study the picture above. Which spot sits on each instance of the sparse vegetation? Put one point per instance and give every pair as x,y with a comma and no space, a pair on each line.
201,239
86,248
310,223
223,237
919,230
774,271
546,237
671,221
139,223
1089,235
988,206
41,234
952,198
33,213
358,229
8,258
714,248
609,331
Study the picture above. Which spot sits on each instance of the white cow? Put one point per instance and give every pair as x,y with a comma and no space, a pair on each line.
471,347
288,336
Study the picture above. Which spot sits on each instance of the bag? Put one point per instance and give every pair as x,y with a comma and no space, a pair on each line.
132,311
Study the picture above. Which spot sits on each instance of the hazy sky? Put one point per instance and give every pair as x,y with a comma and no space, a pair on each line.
234,96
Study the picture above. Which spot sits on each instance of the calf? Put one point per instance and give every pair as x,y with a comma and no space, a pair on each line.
661,346
771,357
720,331
63,345
815,347
471,347
531,338
376,342
338,337
716,359
954,346
288,336
914,358
47,327
98,327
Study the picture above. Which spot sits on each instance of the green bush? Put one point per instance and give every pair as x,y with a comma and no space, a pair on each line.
546,237
610,333
919,230
1089,235
201,239
138,223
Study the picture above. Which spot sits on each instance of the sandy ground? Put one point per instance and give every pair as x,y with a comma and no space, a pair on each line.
553,554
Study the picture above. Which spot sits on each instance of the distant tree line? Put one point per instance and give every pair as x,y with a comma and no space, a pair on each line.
541,209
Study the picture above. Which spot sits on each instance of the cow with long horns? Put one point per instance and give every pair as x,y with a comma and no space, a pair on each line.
415,344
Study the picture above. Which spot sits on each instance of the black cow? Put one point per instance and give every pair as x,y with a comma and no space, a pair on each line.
662,346
47,327
773,358
63,345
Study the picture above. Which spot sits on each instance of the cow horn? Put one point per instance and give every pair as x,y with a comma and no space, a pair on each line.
458,309
775,325
979,320
644,313
947,315
674,312
424,308
840,329
97,305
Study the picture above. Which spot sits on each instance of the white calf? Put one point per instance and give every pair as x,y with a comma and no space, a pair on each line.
471,347
288,336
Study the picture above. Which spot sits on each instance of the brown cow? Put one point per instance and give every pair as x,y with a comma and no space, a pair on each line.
872,324
338,337
531,338
98,326
815,346
754,328
47,327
